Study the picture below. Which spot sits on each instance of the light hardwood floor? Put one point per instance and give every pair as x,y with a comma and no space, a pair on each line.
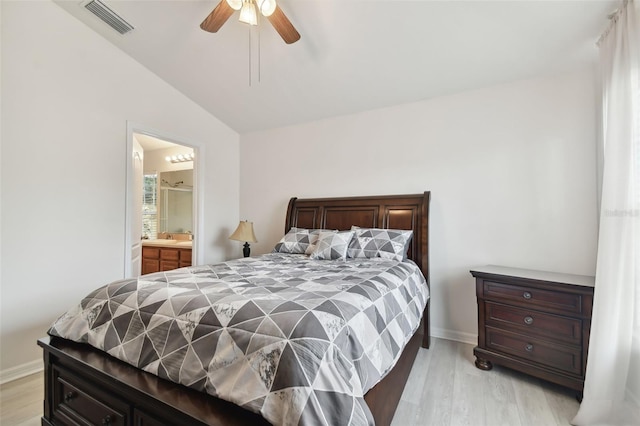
21,401
445,388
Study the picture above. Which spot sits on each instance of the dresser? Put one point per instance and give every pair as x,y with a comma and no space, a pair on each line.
535,322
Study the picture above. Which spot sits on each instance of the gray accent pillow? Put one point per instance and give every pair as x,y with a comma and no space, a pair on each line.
384,243
296,241
332,245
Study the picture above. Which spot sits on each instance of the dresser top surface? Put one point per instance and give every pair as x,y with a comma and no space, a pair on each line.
556,277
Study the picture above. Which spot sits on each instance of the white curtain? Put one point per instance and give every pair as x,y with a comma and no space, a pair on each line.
612,386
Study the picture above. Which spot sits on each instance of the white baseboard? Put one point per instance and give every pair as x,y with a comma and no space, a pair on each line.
20,371
457,336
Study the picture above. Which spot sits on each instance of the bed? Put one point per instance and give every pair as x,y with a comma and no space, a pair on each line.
85,385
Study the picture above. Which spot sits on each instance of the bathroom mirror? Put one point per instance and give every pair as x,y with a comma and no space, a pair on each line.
176,202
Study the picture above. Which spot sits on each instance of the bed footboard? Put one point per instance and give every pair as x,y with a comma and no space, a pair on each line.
86,386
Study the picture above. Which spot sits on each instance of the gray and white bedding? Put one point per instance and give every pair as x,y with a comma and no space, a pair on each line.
298,340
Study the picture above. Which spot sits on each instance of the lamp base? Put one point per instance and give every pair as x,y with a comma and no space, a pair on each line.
246,250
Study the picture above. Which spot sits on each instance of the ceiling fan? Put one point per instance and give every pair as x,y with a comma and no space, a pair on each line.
248,14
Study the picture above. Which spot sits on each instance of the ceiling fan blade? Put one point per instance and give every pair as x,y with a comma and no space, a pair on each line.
283,26
217,17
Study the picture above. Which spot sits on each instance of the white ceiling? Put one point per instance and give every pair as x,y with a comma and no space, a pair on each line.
354,55
150,143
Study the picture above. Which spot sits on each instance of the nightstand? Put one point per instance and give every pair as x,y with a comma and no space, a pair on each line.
535,322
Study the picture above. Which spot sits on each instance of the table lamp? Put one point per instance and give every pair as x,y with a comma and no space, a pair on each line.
244,232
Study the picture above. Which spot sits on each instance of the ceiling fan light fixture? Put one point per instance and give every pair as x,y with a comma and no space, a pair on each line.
248,13
235,4
267,7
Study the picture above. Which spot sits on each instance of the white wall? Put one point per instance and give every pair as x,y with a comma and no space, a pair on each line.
67,95
511,170
173,177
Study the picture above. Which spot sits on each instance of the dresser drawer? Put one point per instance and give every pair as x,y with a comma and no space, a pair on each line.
562,357
80,404
530,321
546,300
140,418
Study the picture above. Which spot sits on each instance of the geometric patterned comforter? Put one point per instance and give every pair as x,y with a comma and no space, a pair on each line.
299,341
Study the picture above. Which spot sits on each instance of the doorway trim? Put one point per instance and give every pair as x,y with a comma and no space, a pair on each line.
198,191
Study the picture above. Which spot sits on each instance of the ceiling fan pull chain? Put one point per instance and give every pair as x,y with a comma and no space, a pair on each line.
249,26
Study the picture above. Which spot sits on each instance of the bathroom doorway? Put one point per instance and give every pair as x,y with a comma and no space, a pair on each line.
162,201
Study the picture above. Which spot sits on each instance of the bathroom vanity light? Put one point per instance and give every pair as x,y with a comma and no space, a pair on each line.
180,158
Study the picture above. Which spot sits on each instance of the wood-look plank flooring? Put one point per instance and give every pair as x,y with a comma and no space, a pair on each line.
445,388
21,401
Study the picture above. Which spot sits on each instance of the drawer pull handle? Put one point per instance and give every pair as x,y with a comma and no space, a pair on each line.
528,347
528,320
526,295
107,420
69,396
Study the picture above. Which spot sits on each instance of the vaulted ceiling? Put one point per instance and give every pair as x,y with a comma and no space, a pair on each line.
354,55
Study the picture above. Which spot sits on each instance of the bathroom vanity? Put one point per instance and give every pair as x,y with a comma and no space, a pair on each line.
158,255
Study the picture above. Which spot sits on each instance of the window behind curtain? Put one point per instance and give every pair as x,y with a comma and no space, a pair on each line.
150,207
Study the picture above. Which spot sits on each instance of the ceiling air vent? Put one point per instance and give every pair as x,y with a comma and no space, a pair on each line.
111,18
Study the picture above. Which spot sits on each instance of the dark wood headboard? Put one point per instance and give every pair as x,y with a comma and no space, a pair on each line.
386,211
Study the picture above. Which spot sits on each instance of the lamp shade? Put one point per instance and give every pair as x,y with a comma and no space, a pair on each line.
244,232
248,13
267,7
235,4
